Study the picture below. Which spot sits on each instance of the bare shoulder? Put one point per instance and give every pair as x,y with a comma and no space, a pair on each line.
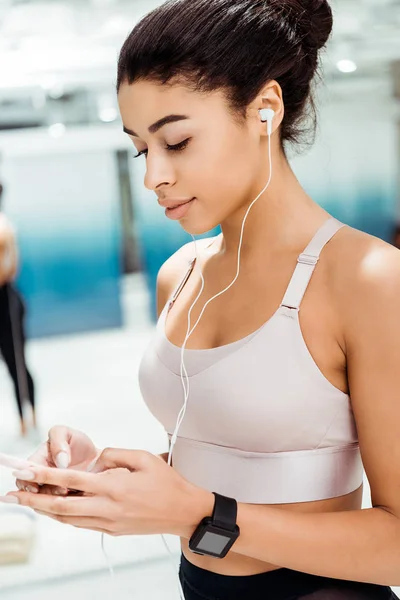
7,233
6,228
364,274
174,269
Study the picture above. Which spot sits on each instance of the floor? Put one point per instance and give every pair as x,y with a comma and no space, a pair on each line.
89,382
136,581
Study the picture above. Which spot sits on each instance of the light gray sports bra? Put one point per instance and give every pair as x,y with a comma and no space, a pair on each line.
262,424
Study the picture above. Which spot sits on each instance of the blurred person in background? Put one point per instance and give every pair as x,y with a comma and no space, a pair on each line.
12,313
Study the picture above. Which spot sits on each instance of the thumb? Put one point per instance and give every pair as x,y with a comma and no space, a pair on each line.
59,448
113,458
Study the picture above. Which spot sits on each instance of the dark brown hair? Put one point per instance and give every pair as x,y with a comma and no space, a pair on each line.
234,45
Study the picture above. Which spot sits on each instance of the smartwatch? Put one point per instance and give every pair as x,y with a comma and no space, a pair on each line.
216,535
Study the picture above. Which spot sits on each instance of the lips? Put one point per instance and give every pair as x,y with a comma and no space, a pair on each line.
180,210
174,203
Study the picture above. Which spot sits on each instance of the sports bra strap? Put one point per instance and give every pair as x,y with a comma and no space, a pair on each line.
307,262
182,284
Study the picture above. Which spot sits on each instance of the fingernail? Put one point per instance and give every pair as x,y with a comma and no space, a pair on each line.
31,489
60,492
24,475
9,499
62,460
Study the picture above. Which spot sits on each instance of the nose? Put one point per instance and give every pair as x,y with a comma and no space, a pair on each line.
159,172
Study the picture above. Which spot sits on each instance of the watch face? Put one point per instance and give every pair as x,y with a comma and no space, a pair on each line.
211,542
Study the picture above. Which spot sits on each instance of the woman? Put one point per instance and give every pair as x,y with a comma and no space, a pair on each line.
12,315
281,400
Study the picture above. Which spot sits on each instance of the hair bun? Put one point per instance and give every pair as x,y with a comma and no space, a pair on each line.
320,24
312,20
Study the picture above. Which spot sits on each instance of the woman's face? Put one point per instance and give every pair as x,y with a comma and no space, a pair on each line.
202,154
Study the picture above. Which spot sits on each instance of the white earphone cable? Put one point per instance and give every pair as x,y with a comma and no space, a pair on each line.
183,371
190,331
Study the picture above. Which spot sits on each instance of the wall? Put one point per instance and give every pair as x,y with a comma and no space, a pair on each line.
353,167
63,197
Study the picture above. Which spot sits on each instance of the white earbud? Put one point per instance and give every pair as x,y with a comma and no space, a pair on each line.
267,115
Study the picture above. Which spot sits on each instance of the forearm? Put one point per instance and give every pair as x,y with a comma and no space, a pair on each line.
360,545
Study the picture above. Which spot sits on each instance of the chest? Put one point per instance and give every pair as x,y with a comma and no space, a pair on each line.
249,304
245,395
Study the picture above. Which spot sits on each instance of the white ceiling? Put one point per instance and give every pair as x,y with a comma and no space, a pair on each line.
70,40
38,37
75,43
369,29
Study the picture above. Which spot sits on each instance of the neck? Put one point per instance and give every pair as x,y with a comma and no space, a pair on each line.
283,218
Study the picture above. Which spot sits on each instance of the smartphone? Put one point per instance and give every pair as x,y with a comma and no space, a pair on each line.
12,462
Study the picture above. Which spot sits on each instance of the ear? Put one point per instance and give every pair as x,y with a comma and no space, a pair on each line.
270,96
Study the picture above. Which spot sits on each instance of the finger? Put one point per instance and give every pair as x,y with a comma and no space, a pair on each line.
32,487
112,458
58,446
87,523
45,514
52,490
26,487
40,455
81,506
91,523
68,478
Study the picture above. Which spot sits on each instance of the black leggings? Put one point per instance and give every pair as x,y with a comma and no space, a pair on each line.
12,345
281,584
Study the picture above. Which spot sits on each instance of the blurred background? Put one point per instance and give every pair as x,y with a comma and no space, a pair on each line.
91,240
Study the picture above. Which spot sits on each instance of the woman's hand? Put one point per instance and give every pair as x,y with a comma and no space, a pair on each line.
65,448
128,492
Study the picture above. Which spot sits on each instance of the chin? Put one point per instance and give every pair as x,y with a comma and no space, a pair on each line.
197,228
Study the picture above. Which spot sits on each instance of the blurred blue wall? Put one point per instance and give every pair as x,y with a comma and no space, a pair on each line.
65,207
65,203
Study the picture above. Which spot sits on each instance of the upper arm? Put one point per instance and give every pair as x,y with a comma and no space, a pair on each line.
370,300
8,251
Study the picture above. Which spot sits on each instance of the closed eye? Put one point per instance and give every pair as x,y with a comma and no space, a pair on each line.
176,148
142,153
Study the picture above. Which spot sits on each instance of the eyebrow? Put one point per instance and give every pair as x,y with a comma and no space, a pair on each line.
159,124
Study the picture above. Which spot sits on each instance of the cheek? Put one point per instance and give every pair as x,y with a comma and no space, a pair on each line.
221,160
225,176
221,176
221,189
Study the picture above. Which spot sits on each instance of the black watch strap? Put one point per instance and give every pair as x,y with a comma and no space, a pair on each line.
225,512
